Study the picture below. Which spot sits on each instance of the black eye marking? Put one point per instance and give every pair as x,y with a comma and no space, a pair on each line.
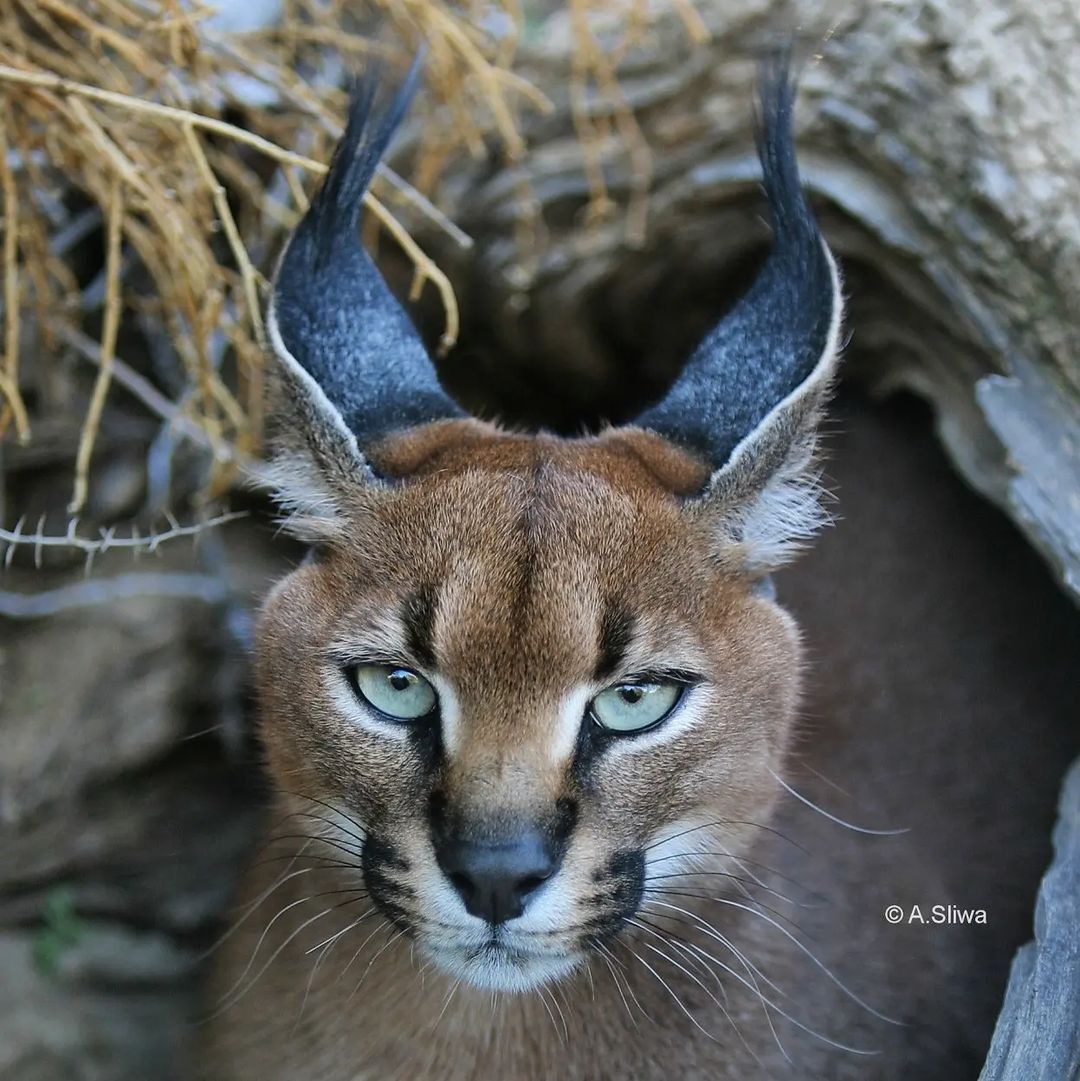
616,632
418,615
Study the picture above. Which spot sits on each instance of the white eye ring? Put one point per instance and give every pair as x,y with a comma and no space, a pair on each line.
393,690
635,705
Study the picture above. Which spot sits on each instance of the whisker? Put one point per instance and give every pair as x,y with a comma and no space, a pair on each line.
693,948
232,1001
266,931
618,987
336,826
679,942
446,1004
326,946
667,987
711,932
682,968
721,874
378,953
333,842
809,953
666,892
324,861
562,1016
354,839
252,907
359,949
547,1009
337,934
333,809
629,985
671,960
738,859
723,822
833,818
767,1002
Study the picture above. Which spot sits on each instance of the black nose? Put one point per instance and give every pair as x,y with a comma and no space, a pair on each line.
496,880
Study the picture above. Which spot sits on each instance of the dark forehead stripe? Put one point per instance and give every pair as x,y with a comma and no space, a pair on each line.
418,615
616,631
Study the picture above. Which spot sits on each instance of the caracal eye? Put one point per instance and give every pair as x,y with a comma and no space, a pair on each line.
398,692
632,707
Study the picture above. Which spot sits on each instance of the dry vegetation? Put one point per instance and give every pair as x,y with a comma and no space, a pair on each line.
153,156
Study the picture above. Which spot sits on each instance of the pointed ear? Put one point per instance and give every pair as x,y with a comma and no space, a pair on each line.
350,368
750,398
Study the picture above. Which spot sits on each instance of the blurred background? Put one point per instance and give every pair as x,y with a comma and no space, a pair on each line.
572,201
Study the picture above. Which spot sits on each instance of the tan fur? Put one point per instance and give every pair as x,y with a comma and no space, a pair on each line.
526,540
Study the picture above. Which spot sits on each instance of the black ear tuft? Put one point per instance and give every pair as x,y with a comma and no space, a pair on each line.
775,337
335,210
749,397
352,367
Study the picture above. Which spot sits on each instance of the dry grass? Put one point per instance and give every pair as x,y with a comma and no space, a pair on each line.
185,151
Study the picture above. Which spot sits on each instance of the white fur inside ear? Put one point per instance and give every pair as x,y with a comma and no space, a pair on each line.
771,529
765,504
312,512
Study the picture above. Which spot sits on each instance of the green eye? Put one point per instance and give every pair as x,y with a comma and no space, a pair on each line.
632,707
398,692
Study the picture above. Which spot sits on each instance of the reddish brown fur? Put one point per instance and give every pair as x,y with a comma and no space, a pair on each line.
526,539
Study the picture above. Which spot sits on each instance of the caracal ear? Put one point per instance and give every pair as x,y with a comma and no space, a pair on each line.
351,367
750,398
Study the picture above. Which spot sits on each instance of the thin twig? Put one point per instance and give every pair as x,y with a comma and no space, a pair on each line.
115,218
248,274
9,380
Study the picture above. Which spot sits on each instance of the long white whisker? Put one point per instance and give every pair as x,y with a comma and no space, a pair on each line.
629,985
551,1016
813,958
667,987
708,929
223,1005
337,934
253,906
723,1008
721,874
671,960
618,987
327,945
360,949
833,818
378,953
728,855
767,1002
694,949
446,1004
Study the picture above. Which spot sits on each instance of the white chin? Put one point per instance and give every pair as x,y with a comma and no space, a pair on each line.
500,969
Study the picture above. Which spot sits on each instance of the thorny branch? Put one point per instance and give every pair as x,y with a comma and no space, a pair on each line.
107,539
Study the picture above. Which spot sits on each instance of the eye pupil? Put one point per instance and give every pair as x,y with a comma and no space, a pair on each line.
401,680
631,695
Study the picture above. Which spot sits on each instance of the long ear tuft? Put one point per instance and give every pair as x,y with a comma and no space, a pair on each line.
750,396
352,367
